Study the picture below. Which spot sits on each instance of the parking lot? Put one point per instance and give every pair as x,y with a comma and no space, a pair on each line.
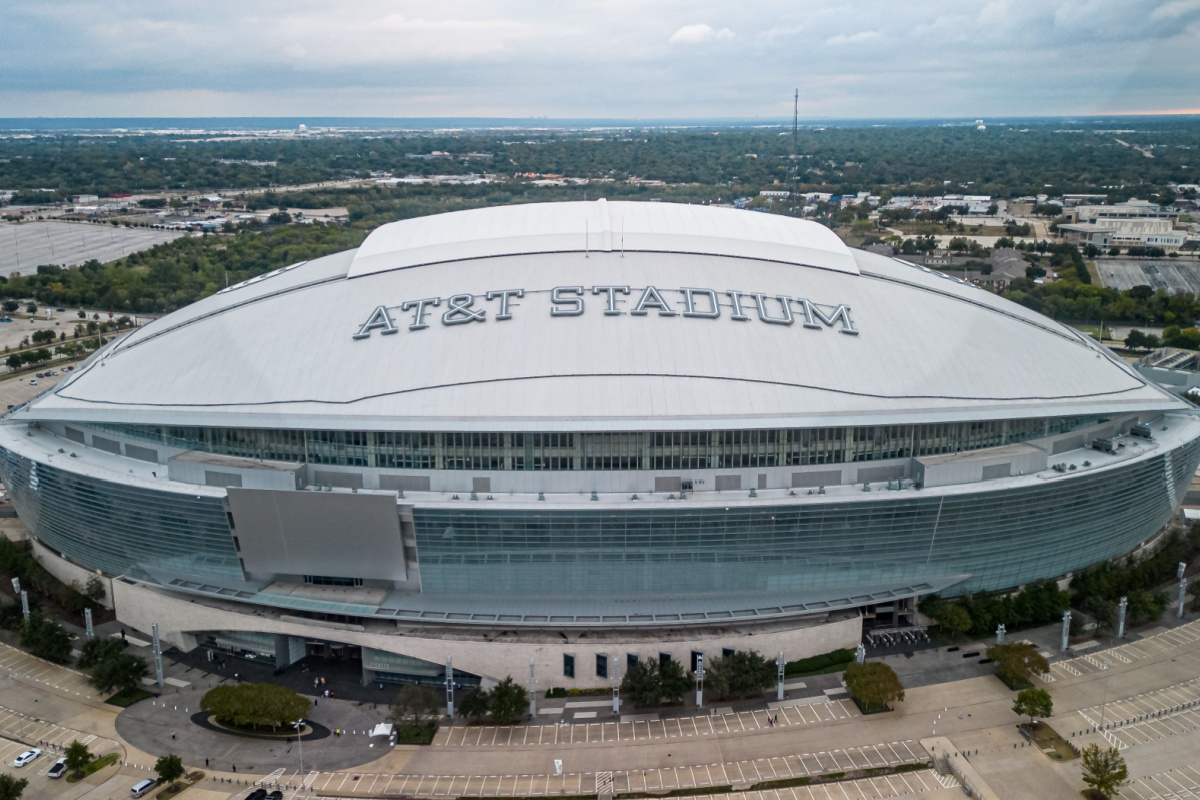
25,246
19,665
1147,717
716,724
1181,782
1153,644
20,732
1173,275
660,780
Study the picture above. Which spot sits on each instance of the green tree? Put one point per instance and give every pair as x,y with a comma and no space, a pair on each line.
169,769
741,674
94,589
94,651
1017,663
31,308
11,788
1104,770
1033,703
641,684
78,756
118,673
674,681
10,306
45,638
509,702
255,705
475,704
951,617
416,707
873,685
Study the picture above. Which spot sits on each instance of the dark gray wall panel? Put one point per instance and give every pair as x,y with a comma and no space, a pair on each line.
318,533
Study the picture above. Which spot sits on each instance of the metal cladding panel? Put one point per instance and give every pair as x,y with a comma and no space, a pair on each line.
885,342
602,227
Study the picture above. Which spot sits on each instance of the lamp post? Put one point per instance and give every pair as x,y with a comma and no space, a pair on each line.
1104,665
700,680
299,726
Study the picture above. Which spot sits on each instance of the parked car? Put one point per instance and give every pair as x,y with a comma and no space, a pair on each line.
141,787
275,795
59,769
26,757
69,367
257,794
40,375
32,382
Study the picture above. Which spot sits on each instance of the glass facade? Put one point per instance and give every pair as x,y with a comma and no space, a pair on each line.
1002,538
705,556
674,450
122,529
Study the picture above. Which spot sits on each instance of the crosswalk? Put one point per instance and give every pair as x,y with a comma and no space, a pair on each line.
643,730
1154,646
869,758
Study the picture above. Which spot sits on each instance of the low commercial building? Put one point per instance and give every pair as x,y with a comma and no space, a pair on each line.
1124,233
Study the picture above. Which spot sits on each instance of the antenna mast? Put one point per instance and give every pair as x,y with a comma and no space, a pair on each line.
795,121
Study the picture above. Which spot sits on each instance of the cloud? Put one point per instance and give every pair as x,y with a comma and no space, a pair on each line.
854,38
1175,10
695,34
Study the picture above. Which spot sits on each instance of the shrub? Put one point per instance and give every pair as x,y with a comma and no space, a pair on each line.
825,661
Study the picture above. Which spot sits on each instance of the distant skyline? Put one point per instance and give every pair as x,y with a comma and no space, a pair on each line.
616,59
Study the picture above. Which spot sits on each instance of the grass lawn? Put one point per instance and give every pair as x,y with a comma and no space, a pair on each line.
95,766
1054,746
127,697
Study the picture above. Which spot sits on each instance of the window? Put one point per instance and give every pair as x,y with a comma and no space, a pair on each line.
663,658
696,656
568,665
631,661
328,580
601,665
726,652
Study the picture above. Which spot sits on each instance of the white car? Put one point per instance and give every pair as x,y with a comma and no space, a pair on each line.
26,757
33,382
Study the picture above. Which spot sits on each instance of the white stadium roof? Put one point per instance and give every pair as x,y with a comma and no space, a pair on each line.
280,350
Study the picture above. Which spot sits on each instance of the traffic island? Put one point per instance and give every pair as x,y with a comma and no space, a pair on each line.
1046,739
312,730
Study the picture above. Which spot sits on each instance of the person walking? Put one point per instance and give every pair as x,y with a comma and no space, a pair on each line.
206,763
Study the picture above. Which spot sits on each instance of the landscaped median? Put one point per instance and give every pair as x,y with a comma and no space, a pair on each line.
92,767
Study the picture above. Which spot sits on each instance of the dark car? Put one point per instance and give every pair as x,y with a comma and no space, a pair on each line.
257,794
275,795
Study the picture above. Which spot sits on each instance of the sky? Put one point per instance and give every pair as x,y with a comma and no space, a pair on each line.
598,59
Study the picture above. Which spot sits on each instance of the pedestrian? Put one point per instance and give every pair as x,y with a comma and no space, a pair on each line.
776,719
234,767
316,702
172,734
206,763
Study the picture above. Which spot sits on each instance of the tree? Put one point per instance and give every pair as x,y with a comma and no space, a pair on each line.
951,617
78,756
94,589
255,705
1017,663
674,681
508,702
169,768
741,674
46,639
1104,770
475,704
11,788
10,306
415,707
873,685
120,673
1033,703
31,308
641,685
94,651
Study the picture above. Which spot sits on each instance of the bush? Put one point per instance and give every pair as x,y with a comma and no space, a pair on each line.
816,664
739,675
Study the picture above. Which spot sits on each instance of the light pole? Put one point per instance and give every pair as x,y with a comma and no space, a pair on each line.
700,680
612,676
1104,665
299,726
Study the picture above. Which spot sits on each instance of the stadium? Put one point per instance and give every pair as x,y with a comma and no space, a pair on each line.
565,432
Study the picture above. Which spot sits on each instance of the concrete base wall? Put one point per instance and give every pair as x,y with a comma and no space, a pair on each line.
68,572
138,606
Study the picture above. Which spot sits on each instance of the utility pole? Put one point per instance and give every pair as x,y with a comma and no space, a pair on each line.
700,680
1121,617
1182,588
158,667
1000,631
780,665
450,687
1066,629
532,691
